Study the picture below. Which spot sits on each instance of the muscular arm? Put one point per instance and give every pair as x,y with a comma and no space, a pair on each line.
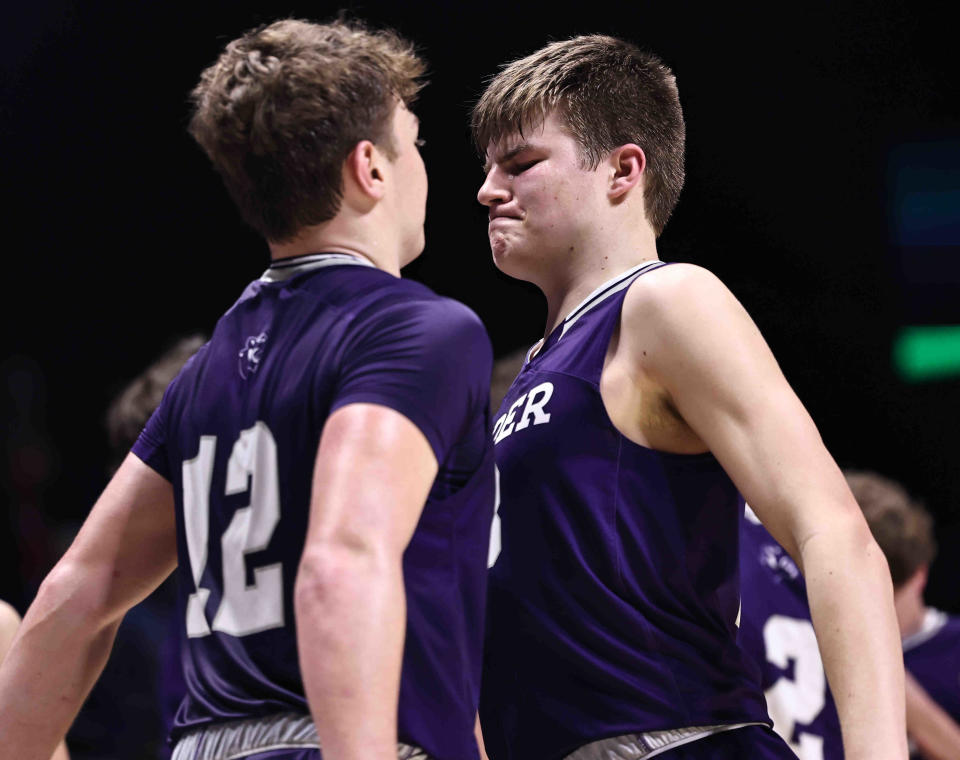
373,472
934,731
688,335
126,547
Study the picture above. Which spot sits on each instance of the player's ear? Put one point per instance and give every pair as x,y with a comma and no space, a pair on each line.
364,170
627,164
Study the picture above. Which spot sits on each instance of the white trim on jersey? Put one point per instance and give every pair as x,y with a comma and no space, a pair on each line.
284,269
933,622
602,293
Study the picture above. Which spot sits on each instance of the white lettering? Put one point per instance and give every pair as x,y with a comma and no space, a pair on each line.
534,407
509,422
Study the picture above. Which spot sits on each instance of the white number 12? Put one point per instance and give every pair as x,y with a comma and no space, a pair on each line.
252,465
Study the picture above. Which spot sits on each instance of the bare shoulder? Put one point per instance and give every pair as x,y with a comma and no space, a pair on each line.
675,288
677,297
9,622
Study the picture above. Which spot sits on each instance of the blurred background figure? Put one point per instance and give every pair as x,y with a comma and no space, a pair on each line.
931,638
505,369
117,722
775,626
31,464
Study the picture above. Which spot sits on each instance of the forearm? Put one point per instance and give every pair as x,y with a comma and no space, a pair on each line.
851,603
934,731
478,733
351,621
57,655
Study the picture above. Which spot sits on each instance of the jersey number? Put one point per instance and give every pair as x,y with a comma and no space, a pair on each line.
802,699
252,468
494,550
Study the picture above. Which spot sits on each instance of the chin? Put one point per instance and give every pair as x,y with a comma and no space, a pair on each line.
509,262
413,252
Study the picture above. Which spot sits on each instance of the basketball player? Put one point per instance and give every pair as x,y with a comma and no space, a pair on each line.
321,468
117,720
775,628
623,447
931,638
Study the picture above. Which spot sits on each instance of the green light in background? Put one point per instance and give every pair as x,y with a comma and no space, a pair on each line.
927,353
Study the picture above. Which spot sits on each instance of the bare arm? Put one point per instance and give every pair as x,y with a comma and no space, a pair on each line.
478,733
126,547
9,623
689,335
934,731
373,473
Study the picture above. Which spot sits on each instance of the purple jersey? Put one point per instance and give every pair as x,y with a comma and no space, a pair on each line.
932,655
775,629
237,434
613,602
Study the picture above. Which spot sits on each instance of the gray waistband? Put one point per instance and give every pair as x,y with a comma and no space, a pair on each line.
236,739
646,745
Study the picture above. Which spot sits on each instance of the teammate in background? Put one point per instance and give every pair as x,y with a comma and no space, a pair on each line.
136,403
931,638
9,623
650,405
775,628
321,467
116,720
126,418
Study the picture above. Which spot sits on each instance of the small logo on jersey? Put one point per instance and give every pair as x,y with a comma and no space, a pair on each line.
251,354
774,557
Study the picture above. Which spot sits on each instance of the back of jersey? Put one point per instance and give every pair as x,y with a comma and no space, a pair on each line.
776,630
237,435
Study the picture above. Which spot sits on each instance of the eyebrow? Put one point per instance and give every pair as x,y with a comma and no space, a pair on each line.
507,155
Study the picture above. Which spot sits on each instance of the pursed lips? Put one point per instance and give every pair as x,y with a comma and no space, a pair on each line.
503,218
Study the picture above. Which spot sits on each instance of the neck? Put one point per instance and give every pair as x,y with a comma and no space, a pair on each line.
341,236
575,282
910,613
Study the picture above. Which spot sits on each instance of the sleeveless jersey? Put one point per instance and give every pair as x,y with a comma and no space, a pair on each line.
776,630
612,605
932,655
237,435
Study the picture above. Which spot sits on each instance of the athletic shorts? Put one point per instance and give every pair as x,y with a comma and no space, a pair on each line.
285,736
751,742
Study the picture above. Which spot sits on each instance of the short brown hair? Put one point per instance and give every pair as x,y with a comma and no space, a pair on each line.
607,93
131,409
900,525
284,105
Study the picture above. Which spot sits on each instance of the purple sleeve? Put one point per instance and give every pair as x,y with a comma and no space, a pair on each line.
428,360
151,446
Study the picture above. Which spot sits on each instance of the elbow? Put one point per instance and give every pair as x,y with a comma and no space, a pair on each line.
849,541
334,572
71,595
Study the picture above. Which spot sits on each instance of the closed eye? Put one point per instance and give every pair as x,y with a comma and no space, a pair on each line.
521,167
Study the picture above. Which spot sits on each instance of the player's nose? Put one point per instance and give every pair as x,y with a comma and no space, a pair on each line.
493,190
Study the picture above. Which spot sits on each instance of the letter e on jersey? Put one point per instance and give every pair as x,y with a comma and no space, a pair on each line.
535,411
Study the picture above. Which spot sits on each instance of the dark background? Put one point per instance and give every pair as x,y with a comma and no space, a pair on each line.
119,238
